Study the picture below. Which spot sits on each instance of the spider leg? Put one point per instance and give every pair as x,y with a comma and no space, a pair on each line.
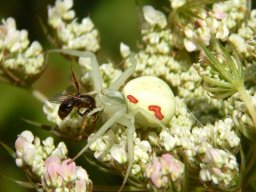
113,119
148,116
125,75
128,121
95,71
94,111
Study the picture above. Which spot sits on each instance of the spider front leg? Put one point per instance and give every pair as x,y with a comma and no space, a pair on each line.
126,74
95,70
128,121
113,119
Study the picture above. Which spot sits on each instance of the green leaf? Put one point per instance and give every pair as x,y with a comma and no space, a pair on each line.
230,71
9,150
37,124
20,183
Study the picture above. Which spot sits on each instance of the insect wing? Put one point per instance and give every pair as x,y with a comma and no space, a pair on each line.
58,98
70,90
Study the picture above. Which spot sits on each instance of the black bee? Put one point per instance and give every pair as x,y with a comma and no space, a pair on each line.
80,101
84,103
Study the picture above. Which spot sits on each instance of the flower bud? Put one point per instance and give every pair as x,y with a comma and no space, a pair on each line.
219,170
165,173
64,175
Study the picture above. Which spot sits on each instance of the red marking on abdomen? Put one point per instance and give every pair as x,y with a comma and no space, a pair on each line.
132,99
157,111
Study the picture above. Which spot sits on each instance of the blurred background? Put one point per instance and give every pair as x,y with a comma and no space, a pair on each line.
116,20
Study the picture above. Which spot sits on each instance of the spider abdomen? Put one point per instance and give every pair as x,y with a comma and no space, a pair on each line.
152,95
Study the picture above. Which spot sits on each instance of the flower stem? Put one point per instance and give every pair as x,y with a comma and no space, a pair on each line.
248,102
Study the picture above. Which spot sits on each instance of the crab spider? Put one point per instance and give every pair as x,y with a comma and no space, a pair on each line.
146,100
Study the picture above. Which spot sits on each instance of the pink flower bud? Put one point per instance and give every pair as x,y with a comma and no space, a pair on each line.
163,171
65,174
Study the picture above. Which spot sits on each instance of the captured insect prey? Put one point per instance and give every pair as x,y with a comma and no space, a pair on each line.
80,101
84,103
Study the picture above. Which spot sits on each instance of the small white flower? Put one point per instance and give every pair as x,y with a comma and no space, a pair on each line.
222,32
125,50
190,45
119,153
153,138
167,140
60,151
136,169
28,135
142,150
177,3
48,145
87,24
154,17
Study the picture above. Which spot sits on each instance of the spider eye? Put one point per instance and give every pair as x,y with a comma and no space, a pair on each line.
150,94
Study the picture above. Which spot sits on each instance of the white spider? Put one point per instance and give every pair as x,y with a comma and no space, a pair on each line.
147,100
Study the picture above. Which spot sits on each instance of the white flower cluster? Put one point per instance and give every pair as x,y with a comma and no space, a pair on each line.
188,83
71,34
15,53
155,58
219,169
222,134
111,149
184,137
244,39
234,11
32,153
216,23
49,166
242,117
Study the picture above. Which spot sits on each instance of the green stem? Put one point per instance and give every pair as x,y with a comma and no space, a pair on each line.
248,102
249,166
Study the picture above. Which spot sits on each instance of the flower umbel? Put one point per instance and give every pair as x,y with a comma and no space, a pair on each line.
70,33
48,166
20,63
219,169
